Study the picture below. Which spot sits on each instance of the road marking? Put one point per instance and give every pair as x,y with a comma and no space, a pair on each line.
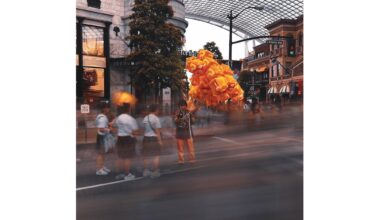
105,184
228,140
187,169
138,178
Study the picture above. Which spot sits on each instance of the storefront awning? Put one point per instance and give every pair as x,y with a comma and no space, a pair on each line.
285,89
272,90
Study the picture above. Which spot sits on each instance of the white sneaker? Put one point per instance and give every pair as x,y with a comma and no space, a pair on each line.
130,177
155,174
146,173
101,172
120,176
106,169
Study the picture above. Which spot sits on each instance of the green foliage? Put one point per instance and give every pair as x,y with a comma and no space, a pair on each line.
211,46
155,61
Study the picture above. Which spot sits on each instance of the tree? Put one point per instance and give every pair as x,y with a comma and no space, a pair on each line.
154,61
211,46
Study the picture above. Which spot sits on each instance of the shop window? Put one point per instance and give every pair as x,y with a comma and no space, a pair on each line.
93,82
94,61
93,43
94,3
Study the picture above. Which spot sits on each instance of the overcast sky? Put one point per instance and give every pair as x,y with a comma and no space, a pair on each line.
198,33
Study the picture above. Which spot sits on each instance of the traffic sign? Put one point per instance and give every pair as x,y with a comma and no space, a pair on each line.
85,108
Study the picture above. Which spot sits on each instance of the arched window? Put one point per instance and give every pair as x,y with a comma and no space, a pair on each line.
94,3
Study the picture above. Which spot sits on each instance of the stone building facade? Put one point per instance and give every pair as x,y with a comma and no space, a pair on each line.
109,18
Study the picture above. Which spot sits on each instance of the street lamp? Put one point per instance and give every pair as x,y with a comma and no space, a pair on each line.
232,17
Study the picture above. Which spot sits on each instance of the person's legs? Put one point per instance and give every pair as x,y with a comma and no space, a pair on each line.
156,167
127,165
146,171
99,161
190,150
181,158
156,163
119,169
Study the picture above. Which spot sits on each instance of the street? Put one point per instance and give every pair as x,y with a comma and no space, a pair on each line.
246,174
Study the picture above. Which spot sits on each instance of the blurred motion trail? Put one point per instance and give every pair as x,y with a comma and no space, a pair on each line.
247,169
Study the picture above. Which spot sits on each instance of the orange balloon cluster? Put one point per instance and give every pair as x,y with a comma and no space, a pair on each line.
121,97
212,83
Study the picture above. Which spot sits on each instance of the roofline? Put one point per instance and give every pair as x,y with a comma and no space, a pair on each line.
298,20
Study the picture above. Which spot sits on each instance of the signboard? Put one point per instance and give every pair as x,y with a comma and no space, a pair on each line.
166,94
85,108
274,42
94,61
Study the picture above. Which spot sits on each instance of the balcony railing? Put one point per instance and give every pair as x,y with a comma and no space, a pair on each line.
253,58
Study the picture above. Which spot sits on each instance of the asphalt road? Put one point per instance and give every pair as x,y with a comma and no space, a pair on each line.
249,174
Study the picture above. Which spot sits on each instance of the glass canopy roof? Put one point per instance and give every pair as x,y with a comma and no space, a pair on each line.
249,23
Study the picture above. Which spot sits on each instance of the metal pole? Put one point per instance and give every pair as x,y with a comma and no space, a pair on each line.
230,42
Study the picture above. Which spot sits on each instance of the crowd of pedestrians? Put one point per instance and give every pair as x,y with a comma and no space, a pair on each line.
125,129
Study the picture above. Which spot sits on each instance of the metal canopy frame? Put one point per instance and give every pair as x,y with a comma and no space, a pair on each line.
250,23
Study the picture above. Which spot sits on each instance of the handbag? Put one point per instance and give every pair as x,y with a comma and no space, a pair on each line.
109,142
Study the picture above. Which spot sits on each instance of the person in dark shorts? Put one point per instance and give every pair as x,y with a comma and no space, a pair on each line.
125,146
152,142
183,120
102,126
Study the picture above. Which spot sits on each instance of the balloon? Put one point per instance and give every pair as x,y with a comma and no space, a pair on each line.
212,83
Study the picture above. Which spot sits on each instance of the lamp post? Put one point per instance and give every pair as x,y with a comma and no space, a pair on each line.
231,17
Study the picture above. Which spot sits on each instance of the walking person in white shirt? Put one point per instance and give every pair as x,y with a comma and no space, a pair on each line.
126,130
102,129
152,142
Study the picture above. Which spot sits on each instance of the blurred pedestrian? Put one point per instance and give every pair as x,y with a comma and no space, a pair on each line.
183,120
127,129
102,125
152,143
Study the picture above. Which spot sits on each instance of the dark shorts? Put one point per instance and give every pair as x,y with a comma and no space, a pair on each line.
151,147
100,144
125,147
183,133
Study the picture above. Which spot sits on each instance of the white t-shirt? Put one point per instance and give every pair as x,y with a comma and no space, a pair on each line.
125,125
101,122
154,122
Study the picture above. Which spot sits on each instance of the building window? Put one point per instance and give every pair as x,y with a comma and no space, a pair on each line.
94,3
265,76
94,61
278,69
272,71
93,43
